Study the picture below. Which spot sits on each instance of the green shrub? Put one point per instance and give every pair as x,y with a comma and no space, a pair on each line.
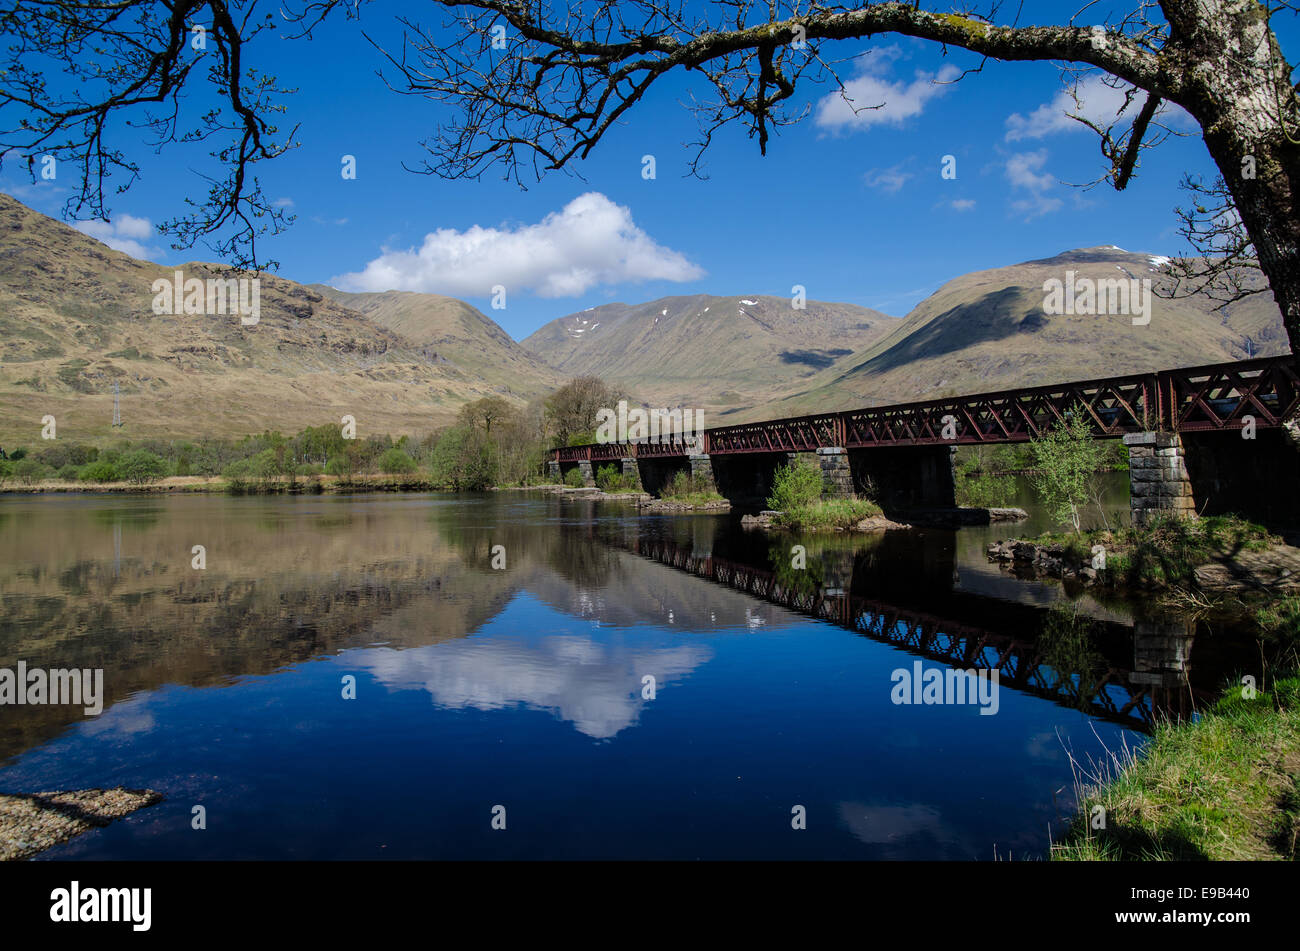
463,458
309,469
68,473
573,479
1066,461
796,486
29,471
101,470
691,489
611,478
985,490
396,462
339,466
141,467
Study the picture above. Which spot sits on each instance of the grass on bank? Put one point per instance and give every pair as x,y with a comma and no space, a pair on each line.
1223,787
1166,551
829,514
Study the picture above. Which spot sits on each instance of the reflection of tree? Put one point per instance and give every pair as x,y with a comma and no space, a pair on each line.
803,580
1066,644
133,518
576,552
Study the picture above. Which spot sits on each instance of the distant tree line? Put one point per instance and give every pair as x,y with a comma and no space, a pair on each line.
492,442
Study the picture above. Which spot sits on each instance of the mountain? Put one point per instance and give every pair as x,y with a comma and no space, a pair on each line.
708,351
988,330
454,330
77,317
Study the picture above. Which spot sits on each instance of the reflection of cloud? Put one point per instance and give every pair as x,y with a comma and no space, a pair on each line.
595,686
122,719
876,825
1044,747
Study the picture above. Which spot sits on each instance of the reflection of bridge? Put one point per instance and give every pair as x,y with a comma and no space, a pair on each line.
1131,697
1157,411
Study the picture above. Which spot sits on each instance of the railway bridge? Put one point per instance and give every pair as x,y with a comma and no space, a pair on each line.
1203,439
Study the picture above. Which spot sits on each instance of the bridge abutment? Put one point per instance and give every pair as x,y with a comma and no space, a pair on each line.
702,471
553,470
1158,479
631,470
837,476
588,476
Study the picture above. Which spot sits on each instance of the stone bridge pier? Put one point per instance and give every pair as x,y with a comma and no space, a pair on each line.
1215,473
562,469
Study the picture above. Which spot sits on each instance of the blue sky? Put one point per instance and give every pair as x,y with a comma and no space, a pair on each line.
854,210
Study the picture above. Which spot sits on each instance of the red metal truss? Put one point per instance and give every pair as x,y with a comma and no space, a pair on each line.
1191,399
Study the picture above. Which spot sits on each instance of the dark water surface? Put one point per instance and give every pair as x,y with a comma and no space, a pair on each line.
525,687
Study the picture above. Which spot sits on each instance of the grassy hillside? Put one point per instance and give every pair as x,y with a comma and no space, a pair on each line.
456,331
988,331
76,316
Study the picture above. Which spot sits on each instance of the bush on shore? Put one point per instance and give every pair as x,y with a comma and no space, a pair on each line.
689,489
100,471
611,478
796,486
397,462
29,471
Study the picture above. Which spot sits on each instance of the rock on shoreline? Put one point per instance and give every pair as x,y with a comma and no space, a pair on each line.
1030,560
30,824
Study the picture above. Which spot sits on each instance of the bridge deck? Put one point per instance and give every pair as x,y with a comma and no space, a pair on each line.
1206,398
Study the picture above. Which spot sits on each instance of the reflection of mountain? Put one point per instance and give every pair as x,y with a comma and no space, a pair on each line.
598,687
108,583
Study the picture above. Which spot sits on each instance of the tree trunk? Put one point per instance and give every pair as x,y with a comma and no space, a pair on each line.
1239,89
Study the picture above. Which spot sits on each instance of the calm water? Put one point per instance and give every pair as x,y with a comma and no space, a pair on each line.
525,686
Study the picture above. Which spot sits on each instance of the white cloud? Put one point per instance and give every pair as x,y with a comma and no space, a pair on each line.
1022,171
1036,206
1099,103
282,203
888,180
898,100
589,242
126,234
962,204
